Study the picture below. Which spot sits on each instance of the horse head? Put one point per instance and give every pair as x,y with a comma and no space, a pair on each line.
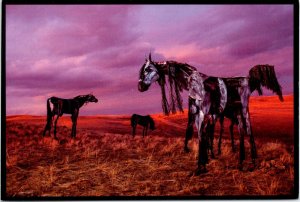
148,74
91,98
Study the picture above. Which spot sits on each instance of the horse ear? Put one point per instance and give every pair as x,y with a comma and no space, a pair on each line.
150,56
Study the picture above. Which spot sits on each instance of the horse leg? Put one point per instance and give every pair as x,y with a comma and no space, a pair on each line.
231,135
48,125
242,146
46,129
72,131
253,148
146,128
74,123
73,135
55,123
245,94
202,153
133,130
221,133
189,133
202,150
211,136
207,129
249,132
190,125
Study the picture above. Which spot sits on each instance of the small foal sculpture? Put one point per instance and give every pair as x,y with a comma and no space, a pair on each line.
145,121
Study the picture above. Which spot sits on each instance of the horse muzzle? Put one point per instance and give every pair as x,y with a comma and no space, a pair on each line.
142,86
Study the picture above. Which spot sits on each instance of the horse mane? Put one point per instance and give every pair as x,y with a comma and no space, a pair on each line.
141,73
82,98
164,101
177,74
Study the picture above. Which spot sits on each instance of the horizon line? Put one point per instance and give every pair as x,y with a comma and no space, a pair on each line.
128,114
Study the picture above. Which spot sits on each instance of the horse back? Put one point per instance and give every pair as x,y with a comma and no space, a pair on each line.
62,105
139,119
233,85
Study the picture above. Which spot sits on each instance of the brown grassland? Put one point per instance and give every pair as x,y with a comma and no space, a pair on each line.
104,159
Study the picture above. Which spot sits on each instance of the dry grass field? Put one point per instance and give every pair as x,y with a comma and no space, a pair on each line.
105,160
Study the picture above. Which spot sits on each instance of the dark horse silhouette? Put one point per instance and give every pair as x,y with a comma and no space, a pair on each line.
144,121
209,98
66,106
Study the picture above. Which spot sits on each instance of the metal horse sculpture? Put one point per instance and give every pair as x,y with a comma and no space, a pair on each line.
237,109
209,97
66,106
145,121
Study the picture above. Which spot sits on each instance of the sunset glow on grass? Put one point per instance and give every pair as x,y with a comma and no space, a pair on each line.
105,160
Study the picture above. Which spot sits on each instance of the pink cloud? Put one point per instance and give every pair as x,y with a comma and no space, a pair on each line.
66,50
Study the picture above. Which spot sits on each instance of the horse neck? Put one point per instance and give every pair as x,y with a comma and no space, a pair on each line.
179,72
81,100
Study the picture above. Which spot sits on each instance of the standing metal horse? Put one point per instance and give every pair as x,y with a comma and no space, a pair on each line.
145,121
66,106
237,108
209,97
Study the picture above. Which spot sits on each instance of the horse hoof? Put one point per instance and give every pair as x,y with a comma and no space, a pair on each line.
186,150
63,141
200,171
191,174
251,168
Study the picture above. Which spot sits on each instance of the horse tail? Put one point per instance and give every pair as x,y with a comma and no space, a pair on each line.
264,75
49,113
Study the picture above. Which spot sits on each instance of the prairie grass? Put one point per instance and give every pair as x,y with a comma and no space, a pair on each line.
105,160
106,164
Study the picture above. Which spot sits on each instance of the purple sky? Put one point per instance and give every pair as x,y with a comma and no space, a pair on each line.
69,50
